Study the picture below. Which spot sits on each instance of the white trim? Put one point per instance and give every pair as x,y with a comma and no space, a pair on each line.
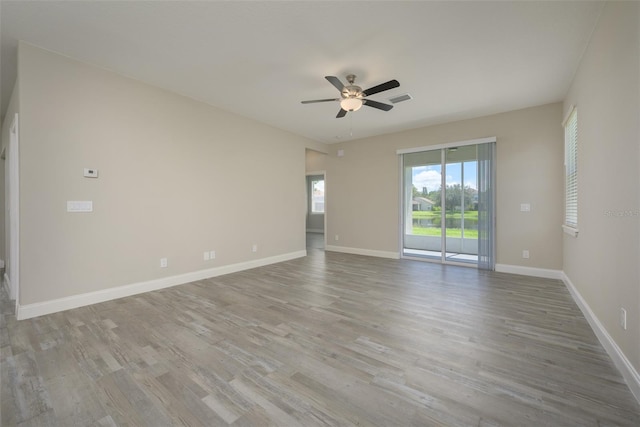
623,364
1,263
13,232
365,252
401,212
315,230
443,203
529,271
566,117
570,230
447,145
47,307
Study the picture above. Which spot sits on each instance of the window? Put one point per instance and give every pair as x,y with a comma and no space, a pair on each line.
571,172
316,192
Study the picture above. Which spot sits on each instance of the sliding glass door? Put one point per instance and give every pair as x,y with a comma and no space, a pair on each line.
448,204
422,219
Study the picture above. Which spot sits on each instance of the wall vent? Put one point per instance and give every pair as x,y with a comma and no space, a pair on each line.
400,98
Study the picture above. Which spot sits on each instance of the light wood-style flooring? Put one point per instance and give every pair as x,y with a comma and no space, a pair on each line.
326,340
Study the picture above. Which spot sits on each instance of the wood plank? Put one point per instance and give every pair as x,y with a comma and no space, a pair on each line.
329,339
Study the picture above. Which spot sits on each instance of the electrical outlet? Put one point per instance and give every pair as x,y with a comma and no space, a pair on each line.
337,237
164,263
206,256
254,248
525,254
212,254
623,318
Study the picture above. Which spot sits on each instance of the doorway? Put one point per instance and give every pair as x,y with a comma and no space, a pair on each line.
447,204
316,202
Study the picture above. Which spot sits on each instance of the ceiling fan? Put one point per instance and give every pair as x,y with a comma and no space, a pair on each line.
352,97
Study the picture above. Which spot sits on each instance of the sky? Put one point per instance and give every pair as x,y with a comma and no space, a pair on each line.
431,176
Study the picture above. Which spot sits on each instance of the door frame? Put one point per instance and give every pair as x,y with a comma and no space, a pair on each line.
442,148
324,176
12,222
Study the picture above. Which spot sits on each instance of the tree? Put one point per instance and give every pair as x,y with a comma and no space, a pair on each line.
453,198
435,197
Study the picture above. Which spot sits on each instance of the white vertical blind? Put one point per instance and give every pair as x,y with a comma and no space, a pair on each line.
486,206
571,169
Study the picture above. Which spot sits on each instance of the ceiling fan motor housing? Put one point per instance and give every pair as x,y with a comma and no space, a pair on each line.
351,90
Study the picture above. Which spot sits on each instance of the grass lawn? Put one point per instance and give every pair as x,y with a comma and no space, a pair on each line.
473,215
451,232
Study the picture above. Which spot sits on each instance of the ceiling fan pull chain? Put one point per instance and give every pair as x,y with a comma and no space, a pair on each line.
351,125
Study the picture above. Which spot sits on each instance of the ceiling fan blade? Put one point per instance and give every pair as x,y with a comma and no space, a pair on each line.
313,101
381,87
376,104
341,113
335,81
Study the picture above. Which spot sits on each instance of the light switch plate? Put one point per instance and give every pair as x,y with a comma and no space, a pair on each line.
79,206
525,207
90,173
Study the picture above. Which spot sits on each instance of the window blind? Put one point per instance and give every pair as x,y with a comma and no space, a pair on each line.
571,169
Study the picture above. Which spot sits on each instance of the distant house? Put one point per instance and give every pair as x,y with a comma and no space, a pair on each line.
422,204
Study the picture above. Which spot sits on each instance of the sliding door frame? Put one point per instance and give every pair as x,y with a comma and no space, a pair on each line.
446,145
442,148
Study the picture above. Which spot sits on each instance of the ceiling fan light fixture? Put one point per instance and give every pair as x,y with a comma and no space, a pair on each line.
351,104
352,97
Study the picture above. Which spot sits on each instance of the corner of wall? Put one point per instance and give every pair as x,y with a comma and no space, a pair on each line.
629,373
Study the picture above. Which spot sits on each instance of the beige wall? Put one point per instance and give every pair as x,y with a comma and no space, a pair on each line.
176,178
364,197
603,261
315,161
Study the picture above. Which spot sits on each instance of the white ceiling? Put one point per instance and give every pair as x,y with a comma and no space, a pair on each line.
260,59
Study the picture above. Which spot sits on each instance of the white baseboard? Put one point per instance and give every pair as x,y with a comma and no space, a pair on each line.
629,373
365,252
315,230
47,307
529,271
